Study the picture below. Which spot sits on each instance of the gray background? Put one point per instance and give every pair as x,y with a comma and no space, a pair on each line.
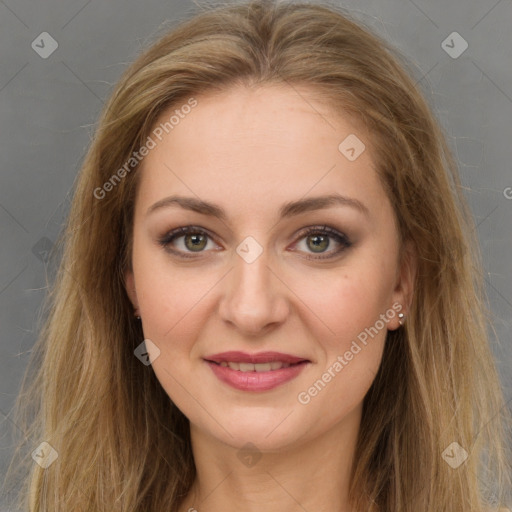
48,108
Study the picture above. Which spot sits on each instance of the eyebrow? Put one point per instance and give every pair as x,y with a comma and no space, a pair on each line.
287,210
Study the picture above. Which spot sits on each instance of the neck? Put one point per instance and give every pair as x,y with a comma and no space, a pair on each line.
306,475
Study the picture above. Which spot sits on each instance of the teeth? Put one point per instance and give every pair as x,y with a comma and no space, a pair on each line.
262,367
246,367
258,367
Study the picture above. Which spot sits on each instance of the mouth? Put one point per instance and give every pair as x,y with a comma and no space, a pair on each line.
255,372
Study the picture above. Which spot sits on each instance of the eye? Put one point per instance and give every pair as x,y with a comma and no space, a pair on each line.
194,239
317,239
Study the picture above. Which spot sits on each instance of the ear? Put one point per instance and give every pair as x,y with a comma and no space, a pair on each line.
129,282
404,288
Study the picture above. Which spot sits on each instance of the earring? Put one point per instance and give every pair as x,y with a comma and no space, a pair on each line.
137,317
401,318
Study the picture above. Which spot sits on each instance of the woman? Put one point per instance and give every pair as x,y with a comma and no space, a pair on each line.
270,204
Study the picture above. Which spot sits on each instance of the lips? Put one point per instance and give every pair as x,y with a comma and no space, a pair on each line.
255,372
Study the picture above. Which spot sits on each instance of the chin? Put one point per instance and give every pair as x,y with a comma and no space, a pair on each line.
266,434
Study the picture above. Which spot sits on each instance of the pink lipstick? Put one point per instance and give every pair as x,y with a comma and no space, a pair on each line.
255,372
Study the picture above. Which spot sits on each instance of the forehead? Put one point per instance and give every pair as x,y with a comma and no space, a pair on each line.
266,143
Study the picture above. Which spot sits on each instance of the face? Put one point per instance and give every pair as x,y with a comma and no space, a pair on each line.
234,251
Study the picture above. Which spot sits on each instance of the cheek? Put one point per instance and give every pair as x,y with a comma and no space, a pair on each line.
351,307
348,327
172,306
345,303
168,296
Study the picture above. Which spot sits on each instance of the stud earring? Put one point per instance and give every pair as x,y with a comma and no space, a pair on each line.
401,318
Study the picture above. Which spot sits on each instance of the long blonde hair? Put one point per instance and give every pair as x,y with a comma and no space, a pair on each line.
122,444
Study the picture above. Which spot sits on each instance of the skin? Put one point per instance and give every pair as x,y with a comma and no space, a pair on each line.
250,150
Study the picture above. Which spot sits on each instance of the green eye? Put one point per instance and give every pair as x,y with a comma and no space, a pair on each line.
318,240
194,240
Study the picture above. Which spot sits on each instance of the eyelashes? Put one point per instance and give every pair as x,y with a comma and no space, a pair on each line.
320,234
198,238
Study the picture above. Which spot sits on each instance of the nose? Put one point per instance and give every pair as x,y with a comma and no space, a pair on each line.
255,299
